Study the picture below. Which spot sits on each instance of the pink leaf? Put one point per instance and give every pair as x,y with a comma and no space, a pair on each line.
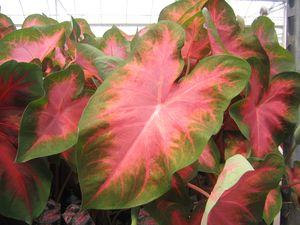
140,126
49,124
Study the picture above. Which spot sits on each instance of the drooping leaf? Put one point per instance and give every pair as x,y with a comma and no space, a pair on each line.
266,116
140,126
225,34
6,25
272,206
115,44
20,83
244,202
234,168
38,20
281,60
24,187
49,124
31,43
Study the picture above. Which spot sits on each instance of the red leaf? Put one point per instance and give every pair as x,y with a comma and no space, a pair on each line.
145,126
225,34
265,116
272,206
49,124
244,202
38,20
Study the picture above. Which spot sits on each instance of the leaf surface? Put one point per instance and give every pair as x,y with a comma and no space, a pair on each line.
31,43
24,187
49,124
140,124
38,20
115,44
273,205
265,116
234,168
281,60
6,25
244,202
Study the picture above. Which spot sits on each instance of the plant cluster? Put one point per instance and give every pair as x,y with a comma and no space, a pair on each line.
181,123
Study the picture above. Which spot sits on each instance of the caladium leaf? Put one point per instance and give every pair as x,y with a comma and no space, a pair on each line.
225,34
265,116
94,62
236,143
76,32
49,124
281,60
196,44
38,20
20,83
27,44
272,205
209,160
244,202
24,187
294,177
234,168
6,25
84,27
138,140
115,44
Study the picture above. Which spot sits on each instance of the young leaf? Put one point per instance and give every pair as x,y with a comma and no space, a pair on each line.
234,168
265,117
25,187
49,124
6,25
38,20
27,44
141,126
115,44
84,27
281,60
236,144
273,205
244,202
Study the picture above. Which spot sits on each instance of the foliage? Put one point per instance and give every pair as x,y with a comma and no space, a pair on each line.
181,123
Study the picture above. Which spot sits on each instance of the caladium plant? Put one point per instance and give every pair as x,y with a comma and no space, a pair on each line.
180,123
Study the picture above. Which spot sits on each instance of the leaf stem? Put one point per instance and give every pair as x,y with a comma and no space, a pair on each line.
290,153
63,186
198,189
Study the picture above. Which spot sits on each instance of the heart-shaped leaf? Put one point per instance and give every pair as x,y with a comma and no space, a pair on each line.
49,124
141,126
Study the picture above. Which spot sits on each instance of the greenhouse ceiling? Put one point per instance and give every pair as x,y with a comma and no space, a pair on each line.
127,14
